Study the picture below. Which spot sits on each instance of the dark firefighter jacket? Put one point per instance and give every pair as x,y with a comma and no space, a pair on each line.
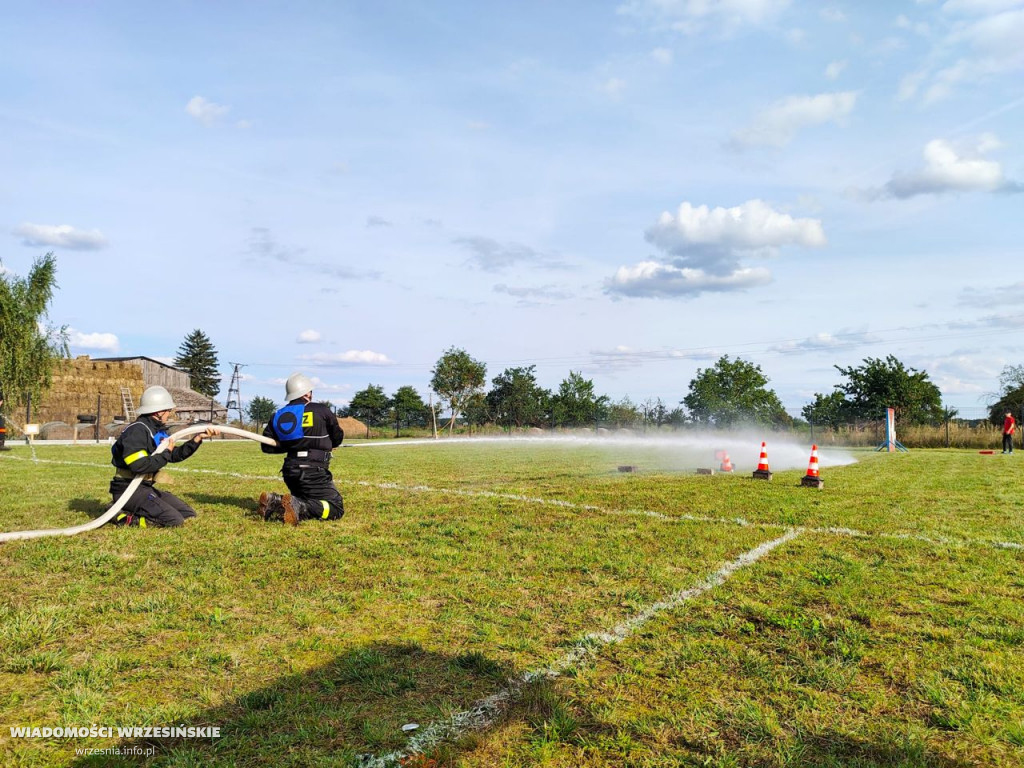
311,430
133,453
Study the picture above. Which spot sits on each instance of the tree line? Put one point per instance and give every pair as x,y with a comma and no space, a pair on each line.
729,393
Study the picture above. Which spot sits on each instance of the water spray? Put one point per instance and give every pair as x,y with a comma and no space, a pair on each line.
136,481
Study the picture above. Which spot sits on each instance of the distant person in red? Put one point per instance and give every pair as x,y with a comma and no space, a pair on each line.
1009,426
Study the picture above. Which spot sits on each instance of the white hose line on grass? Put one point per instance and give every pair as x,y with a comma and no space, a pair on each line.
123,499
853,533
485,711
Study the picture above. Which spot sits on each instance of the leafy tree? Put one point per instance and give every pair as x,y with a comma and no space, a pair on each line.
370,405
676,417
826,410
733,392
1011,394
455,378
575,403
197,356
624,413
260,409
880,384
408,408
475,412
28,350
516,400
654,412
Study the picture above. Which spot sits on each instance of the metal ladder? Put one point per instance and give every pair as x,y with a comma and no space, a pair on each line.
129,406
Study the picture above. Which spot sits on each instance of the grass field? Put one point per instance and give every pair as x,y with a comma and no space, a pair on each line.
526,605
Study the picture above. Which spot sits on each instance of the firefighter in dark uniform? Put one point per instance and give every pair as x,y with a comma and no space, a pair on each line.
306,432
134,454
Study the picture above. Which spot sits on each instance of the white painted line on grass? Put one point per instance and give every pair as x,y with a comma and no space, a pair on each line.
739,521
484,712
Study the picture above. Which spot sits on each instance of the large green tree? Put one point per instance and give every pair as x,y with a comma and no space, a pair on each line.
370,405
733,392
826,410
575,404
878,384
624,413
260,409
198,356
456,378
516,400
1011,394
29,348
408,408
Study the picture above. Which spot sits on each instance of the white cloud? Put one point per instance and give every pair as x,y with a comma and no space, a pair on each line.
976,49
377,221
478,125
949,168
206,112
777,125
662,55
104,342
833,14
704,247
60,236
351,357
692,16
655,279
308,336
834,69
754,225
826,342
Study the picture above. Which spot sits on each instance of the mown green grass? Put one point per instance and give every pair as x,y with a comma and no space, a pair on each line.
312,646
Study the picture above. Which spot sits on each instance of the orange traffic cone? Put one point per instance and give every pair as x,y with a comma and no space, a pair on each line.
812,479
762,472
726,465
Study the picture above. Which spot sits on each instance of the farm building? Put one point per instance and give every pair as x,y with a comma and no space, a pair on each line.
99,390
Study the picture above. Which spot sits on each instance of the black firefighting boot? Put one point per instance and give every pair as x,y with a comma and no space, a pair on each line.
271,507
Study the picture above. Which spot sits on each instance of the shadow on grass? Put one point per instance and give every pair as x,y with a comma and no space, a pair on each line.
245,504
843,749
349,713
92,507
353,706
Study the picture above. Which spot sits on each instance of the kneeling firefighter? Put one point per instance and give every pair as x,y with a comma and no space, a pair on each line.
306,432
134,453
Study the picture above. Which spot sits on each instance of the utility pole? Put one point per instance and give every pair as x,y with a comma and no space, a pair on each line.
234,396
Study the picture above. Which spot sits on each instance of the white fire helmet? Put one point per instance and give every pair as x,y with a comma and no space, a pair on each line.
297,386
155,399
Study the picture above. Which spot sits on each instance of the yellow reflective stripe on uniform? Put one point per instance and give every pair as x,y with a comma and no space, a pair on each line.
327,510
142,522
135,456
307,419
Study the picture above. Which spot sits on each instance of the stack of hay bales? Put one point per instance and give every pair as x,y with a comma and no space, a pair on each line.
77,383
353,428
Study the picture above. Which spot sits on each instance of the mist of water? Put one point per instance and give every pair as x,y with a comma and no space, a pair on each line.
672,452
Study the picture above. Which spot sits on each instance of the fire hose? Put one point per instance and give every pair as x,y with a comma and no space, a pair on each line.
136,481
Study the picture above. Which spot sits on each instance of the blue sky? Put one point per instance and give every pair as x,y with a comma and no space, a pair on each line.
627,189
